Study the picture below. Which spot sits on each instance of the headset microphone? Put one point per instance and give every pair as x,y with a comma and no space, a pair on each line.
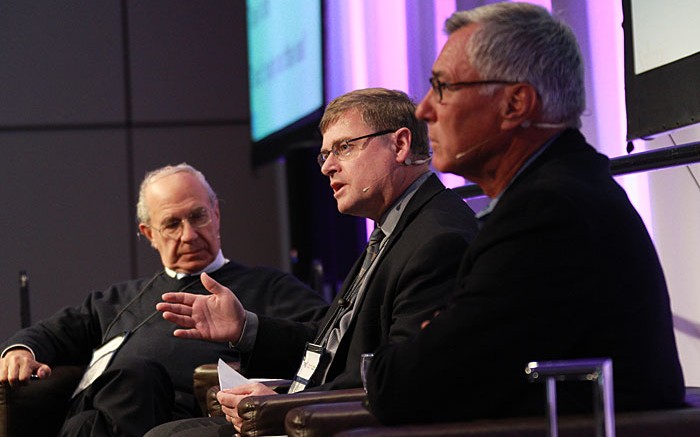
365,189
542,125
525,124
408,161
471,149
478,146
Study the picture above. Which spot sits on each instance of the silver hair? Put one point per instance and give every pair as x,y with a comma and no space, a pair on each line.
142,213
521,42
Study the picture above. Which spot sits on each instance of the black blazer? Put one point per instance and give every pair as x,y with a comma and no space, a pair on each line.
562,268
413,277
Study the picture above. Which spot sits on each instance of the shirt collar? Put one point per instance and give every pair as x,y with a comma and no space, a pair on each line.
215,265
494,201
391,217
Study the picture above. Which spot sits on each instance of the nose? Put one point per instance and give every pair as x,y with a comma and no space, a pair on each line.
329,165
425,110
189,232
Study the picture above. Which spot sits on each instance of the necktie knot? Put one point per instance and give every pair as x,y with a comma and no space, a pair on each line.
373,245
376,236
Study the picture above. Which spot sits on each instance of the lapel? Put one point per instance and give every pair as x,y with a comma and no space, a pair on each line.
430,188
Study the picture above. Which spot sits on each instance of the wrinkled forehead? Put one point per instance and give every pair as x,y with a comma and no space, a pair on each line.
175,195
453,60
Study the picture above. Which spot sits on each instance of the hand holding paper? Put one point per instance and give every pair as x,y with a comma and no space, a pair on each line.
229,377
235,387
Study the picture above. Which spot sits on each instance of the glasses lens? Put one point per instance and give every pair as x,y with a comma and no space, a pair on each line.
321,158
172,230
344,150
437,88
199,218
196,219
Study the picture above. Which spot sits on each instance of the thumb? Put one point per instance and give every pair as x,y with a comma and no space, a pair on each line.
43,371
211,284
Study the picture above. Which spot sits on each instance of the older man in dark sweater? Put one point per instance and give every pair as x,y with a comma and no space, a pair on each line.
149,379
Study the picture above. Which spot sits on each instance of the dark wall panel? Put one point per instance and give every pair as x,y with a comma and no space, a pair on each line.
61,62
64,218
188,60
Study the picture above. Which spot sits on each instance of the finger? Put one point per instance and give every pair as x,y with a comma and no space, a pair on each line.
43,371
188,333
212,286
179,297
184,310
18,373
229,412
182,321
237,423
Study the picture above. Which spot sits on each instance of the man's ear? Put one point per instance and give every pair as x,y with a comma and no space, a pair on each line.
403,144
521,105
147,232
217,211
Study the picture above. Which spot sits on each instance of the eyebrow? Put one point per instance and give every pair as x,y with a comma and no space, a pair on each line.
335,143
170,218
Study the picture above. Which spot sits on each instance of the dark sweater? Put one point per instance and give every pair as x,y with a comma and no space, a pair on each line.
70,335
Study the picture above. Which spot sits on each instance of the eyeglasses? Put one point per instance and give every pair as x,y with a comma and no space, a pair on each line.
172,228
439,86
345,149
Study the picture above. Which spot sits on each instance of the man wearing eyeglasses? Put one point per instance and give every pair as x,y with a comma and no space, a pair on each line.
562,268
375,154
147,374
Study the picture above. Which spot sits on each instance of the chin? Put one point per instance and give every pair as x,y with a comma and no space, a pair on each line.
193,265
440,164
344,208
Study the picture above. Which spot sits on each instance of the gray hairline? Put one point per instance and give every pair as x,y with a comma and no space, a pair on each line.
142,212
554,100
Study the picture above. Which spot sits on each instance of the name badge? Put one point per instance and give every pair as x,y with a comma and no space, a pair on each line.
312,369
101,357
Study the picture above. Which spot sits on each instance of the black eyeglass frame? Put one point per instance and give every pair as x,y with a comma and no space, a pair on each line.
323,156
438,86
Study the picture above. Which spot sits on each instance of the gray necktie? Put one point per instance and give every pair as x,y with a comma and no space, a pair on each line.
375,240
371,253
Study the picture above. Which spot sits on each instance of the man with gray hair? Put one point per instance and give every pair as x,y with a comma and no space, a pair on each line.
562,268
149,378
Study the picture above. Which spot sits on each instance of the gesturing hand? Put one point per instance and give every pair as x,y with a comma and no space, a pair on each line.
219,316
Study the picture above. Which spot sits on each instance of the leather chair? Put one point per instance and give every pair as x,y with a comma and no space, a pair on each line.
331,419
353,419
204,378
39,407
265,415
213,408
321,420
681,422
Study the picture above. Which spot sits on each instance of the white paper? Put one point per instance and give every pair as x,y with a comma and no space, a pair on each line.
229,377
